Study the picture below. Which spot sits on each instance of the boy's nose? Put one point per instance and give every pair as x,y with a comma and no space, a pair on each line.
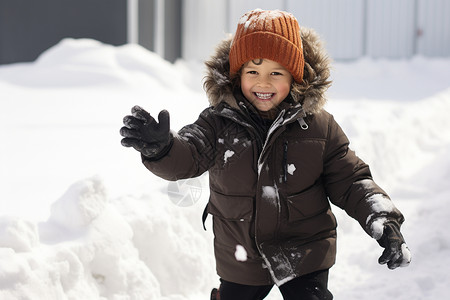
263,82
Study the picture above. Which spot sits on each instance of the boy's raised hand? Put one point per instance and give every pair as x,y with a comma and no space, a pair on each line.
396,253
143,133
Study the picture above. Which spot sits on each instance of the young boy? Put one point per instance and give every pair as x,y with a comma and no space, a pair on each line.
275,159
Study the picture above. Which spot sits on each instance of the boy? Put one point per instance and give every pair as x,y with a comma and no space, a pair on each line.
275,159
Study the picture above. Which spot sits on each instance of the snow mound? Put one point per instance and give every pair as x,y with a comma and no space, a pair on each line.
18,234
92,247
83,202
89,63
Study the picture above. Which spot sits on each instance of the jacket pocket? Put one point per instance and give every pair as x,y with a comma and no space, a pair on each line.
232,208
307,204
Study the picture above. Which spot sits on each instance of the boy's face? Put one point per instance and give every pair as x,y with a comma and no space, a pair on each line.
265,83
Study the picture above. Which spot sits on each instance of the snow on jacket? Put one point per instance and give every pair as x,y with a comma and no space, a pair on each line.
270,191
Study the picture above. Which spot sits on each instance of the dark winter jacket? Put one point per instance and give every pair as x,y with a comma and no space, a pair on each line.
270,189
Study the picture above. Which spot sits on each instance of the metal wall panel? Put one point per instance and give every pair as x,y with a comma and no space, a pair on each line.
146,25
350,28
203,27
433,25
390,28
172,29
27,28
206,23
339,23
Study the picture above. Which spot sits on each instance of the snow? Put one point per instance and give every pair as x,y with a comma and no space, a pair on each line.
291,169
258,15
240,254
406,253
379,203
227,155
81,218
377,227
270,194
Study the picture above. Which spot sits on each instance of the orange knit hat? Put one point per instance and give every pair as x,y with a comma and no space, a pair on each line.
270,34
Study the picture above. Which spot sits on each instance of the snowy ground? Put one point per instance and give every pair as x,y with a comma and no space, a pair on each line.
81,218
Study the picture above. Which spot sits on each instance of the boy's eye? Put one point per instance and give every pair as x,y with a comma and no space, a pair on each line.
277,73
252,72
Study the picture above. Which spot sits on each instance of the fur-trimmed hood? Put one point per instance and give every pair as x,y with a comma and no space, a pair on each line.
310,93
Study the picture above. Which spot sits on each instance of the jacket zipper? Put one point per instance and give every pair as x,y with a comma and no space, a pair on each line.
285,166
303,124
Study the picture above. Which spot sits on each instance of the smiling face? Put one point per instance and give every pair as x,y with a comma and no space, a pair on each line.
265,83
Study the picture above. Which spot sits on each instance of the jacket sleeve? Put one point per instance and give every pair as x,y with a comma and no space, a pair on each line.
192,152
349,185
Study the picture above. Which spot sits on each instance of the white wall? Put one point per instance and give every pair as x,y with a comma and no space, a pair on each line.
433,24
204,26
390,28
207,22
340,24
350,28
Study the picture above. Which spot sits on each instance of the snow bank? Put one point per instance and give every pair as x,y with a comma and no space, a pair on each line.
92,247
81,218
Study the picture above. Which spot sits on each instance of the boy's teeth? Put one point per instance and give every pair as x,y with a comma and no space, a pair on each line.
264,95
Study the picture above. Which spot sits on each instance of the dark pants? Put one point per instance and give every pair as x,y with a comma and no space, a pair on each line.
312,286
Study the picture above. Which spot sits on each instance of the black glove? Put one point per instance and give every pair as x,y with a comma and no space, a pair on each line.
143,133
396,253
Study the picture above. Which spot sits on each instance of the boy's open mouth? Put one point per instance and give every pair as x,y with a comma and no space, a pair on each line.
264,96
